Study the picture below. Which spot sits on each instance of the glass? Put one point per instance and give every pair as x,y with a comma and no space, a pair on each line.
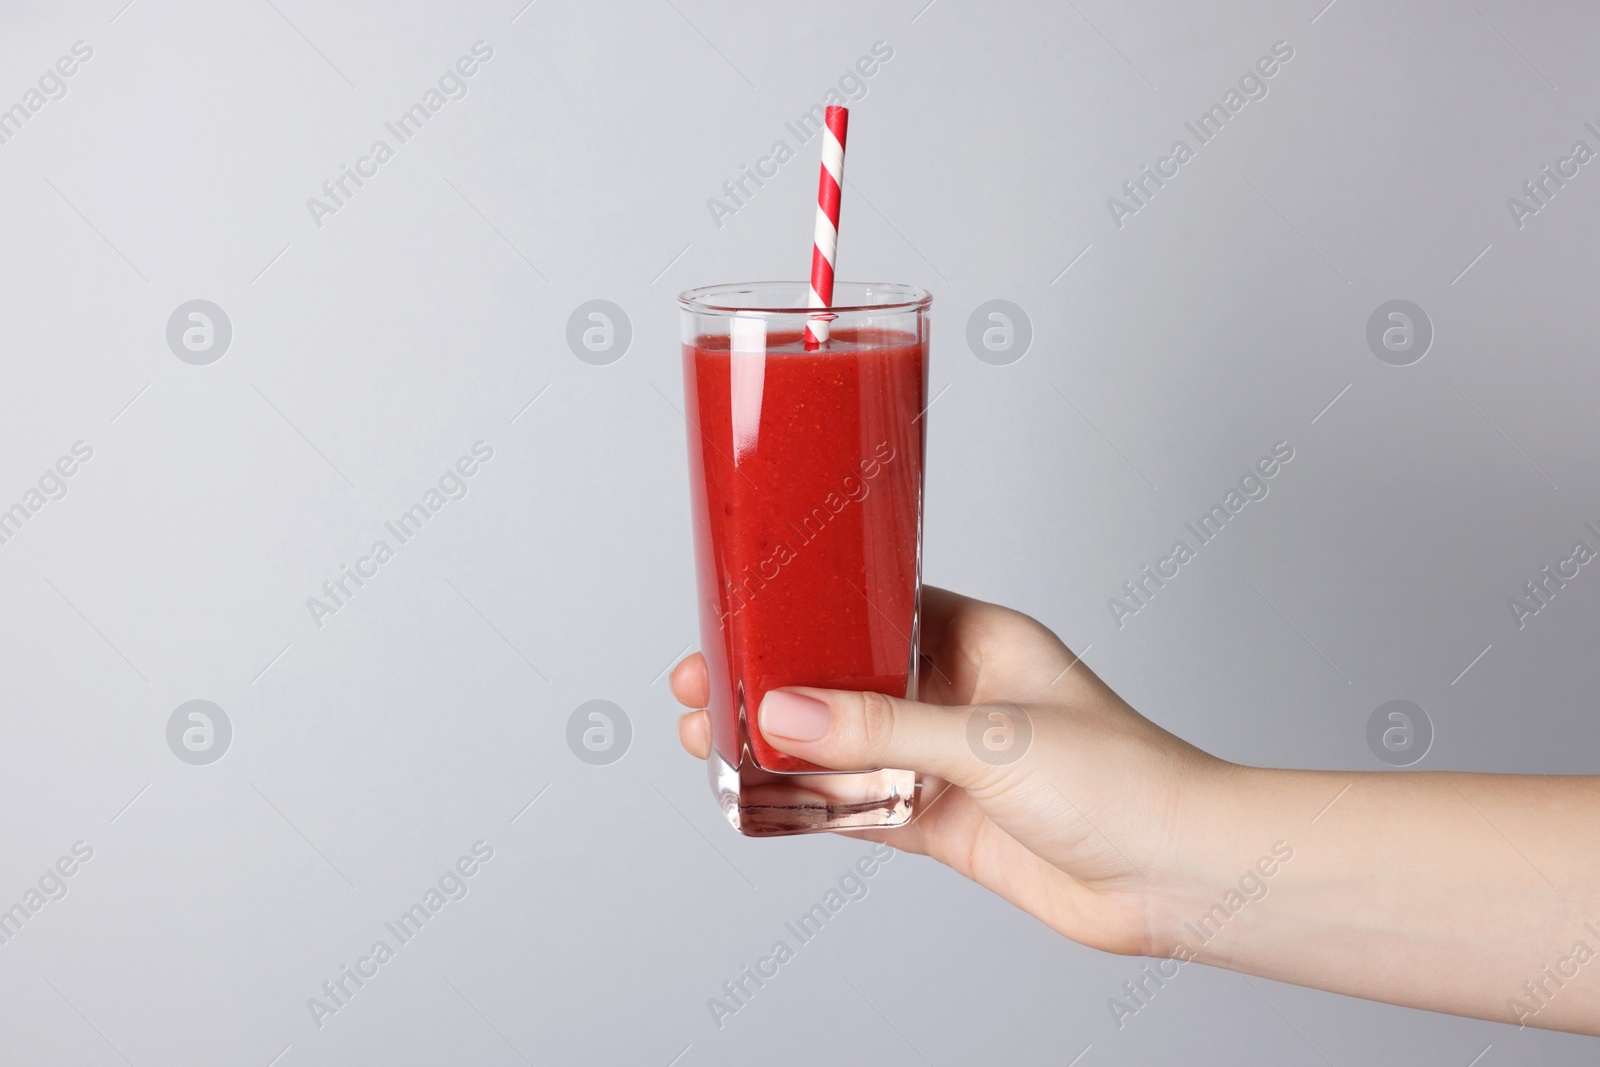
806,473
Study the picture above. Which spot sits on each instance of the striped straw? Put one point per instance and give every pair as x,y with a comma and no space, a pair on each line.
826,244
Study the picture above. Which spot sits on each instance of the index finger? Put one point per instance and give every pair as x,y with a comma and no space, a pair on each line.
691,682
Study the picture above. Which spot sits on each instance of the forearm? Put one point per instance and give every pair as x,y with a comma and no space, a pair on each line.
1462,893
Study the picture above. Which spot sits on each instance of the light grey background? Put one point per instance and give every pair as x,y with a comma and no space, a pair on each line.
369,353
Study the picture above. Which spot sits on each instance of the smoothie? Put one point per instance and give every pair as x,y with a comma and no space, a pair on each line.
806,473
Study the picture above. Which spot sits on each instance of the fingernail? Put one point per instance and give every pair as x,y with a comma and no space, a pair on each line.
794,716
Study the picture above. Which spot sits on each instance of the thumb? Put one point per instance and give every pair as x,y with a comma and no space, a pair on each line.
850,731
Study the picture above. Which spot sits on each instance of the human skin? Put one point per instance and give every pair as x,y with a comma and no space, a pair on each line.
1454,892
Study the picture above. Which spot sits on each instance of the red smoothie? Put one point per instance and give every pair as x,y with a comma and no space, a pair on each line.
806,476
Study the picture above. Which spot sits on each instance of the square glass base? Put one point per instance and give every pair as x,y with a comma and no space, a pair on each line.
761,803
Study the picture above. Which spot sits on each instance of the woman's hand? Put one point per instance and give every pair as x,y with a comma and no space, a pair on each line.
1477,894
1062,799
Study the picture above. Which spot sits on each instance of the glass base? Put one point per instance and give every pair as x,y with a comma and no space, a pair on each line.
762,803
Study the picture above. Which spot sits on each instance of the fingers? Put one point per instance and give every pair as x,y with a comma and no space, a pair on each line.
691,682
939,606
950,659
694,733
974,652
851,731
691,685
939,831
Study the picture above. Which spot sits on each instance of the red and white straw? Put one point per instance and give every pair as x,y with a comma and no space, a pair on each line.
826,245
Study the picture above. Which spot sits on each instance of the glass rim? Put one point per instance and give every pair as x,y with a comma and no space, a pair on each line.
704,299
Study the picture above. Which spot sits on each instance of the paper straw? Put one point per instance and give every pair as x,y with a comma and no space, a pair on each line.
826,244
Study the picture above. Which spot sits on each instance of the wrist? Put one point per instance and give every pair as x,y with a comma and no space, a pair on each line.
1225,853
